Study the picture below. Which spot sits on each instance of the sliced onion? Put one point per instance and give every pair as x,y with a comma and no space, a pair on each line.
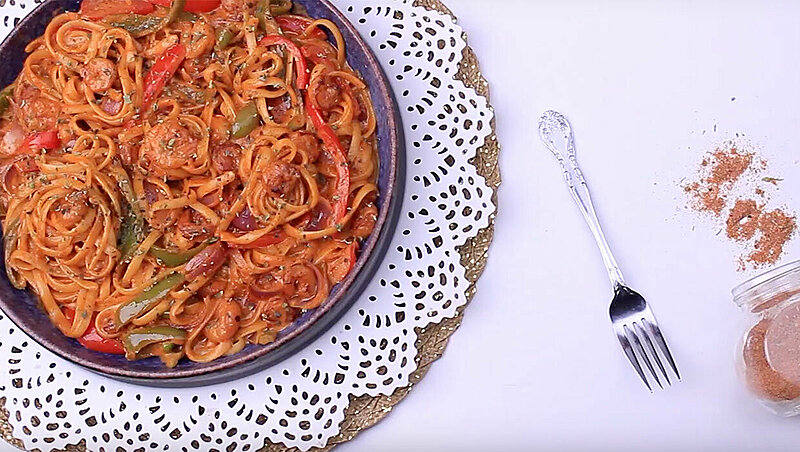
318,218
259,291
312,301
12,138
244,220
206,262
151,192
210,200
110,106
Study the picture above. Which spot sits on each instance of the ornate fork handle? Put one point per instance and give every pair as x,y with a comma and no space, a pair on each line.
554,126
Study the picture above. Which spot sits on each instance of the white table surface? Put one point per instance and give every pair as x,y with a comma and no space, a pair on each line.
535,365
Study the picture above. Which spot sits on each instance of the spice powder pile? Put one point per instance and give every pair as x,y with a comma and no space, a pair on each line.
763,233
725,166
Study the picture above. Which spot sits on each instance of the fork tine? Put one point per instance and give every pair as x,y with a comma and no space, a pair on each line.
650,321
647,342
626,346
637,345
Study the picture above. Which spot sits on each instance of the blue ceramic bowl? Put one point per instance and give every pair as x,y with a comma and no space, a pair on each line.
23,308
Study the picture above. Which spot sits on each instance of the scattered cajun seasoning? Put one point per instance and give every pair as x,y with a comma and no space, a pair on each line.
762,232
743,220
776,228
728,165
705,197
725,165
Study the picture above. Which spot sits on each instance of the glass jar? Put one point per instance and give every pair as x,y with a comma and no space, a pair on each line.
768,357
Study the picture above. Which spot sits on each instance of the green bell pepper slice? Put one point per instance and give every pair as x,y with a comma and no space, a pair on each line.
5,98
135,340
139,25
10,240
278,7
174,259
265,19
132,230
224,38
186,16
147,299
246,121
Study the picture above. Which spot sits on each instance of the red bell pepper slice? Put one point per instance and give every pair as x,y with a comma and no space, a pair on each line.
339,157
298,25
192,6
98,9
302,67
35,142
93,341
161,73
40,140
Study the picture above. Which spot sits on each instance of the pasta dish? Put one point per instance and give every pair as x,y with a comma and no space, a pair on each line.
182,178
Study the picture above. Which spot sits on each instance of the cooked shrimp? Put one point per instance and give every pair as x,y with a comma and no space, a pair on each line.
225,323
329,94
282,178
99,74
226,157
72,208
168,146
364,221
36,112
306,144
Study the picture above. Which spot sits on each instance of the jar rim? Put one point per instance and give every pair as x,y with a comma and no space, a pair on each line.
764,278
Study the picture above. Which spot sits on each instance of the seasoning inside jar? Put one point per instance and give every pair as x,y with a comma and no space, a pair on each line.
763,378
769,359
782,343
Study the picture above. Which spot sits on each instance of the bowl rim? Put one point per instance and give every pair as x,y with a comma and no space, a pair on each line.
320,319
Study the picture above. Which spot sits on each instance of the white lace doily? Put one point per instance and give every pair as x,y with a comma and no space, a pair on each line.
301,401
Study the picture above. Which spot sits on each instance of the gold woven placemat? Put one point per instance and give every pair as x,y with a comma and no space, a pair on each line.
366,411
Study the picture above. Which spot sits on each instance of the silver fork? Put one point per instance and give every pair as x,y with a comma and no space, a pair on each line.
633,321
